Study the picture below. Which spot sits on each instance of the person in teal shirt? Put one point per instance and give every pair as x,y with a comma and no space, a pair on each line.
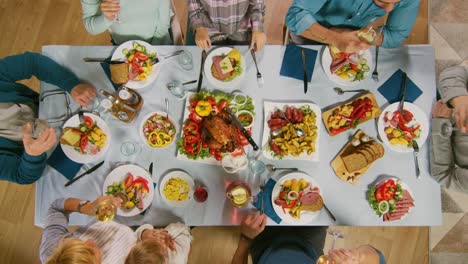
337,22
23,158
147,20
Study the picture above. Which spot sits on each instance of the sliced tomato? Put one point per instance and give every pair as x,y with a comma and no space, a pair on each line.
140,56
83,142
223,104
195,118
211,100
283,195
237,152
88,121
353,66
129,180
193,102
343,55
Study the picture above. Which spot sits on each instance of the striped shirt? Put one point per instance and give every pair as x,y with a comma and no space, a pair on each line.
226,16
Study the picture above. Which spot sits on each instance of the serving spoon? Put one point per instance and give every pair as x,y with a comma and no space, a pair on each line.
299,132
340,91
273,168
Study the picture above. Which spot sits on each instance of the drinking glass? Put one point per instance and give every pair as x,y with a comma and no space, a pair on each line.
118,18
256,166
185,60
201,193
93,106
325,259
177,90
105,211
38,126
130,148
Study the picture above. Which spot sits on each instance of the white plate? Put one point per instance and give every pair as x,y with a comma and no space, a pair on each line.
119,174
77,157
269,108
207,69
142,135
404,186
420,118
306,216
118,55
327,60
184,176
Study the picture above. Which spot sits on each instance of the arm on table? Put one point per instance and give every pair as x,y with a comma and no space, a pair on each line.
442,162
24,66
93,19
400,22
301,21
24,169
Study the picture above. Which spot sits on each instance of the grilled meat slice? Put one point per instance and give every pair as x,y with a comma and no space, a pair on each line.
219,134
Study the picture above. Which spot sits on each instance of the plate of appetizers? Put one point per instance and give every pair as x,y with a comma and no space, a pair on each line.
297,199
346,68
224,67
133,185
398,131
87,142
140,67
285,143
156,130
391,199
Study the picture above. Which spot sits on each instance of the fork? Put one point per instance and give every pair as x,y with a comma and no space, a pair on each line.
259,75
375,74
415,155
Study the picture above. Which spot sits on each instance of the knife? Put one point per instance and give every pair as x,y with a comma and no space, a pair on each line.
402,92
81,117
305,69
95,167
242,129
150,169
200,77
104,60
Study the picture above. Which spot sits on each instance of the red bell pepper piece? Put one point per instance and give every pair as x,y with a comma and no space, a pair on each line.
143,182
339,130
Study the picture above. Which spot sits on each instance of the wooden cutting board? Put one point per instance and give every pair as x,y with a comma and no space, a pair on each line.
339,167
328,111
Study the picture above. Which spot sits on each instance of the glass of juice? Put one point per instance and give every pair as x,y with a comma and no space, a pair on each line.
239,193
105,211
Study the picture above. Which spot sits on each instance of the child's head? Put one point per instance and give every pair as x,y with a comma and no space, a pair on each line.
75,251
146,252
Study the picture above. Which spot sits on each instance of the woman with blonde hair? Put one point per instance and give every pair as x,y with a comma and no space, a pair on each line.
74,251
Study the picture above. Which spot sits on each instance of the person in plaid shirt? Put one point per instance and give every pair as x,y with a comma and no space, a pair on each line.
227,22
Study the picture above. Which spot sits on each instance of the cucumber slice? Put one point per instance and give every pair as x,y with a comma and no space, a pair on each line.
143,49
365,67
359,66
139,48
125,51
362,61
110,189
135,44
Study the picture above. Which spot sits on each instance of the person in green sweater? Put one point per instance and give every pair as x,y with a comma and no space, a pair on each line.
22,158
146,20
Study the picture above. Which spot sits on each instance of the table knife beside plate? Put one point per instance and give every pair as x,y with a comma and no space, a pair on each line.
242,129
103,60
402,93
89,171
200,76
305,69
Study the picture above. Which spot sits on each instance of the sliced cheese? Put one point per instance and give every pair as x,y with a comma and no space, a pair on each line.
226,65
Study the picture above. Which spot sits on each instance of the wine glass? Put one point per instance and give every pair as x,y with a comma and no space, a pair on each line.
177,90
105,210
325,259
185,60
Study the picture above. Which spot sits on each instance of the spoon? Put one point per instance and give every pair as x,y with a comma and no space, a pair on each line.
340,91
276,133
273,168
167,108
299,132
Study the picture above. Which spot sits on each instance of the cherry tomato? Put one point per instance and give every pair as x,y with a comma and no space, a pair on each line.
218,157
212,152
204,145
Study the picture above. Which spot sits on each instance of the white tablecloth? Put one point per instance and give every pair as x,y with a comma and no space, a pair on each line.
348,202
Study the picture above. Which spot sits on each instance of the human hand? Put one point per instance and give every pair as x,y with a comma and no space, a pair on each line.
43,143
441,110
460,103
344,256
110,9
348,41
83,94
253,225
202,38
258,41
161,237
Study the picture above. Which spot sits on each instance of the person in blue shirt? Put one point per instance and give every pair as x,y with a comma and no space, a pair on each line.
23,158
337,22
291,244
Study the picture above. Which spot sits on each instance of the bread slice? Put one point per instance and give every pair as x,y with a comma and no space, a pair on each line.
119,73
318,205
71,137
354,162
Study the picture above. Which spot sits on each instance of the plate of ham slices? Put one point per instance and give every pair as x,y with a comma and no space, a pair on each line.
297,198
346,68
224,67
391,199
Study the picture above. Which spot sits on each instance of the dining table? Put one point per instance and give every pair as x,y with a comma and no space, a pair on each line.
346,201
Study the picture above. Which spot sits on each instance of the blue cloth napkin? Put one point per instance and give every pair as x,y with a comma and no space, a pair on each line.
292,62
267,205
60,162
106,68
391,88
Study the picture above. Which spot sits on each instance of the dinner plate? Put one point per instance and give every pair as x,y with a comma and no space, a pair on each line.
269,107
418,115
327,60
404,186
207,69
306,216
142,135
118,55
78,157
184,176
119,174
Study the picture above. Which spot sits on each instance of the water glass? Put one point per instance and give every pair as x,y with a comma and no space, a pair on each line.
93,106
257,167
130,148
38,126
177,90
185,60
118,18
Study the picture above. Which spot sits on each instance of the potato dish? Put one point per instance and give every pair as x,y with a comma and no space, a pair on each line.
176,189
